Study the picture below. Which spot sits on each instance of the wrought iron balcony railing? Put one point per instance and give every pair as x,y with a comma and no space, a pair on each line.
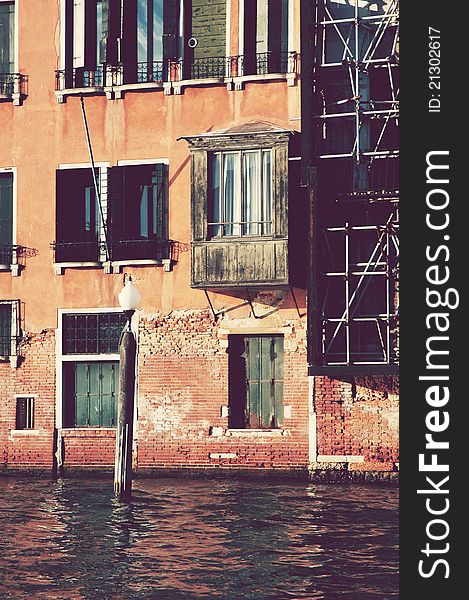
77,251
8,346
12,84
9,254
140,249
265,63
215,67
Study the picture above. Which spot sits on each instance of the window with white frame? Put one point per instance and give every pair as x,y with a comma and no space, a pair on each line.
8,328
6,217
241,193
135,35
265,37
7,37
78,221
90,368
24,412
133,202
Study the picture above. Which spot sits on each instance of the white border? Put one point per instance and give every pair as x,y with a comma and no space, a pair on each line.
146,161
65,166
16,42
14,211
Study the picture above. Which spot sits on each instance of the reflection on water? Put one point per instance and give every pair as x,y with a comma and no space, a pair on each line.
181,539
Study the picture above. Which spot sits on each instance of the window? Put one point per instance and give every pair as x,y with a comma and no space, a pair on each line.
138,208
6,217
256,381
78,216
92,333
7,39
241,200
90,368
8,328
86,25
134,198
25,412
265,37
98,34
239,206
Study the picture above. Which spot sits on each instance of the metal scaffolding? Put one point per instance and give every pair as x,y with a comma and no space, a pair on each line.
355,148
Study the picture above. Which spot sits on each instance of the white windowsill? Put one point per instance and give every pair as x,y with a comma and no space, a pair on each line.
114,266
256,432
176,87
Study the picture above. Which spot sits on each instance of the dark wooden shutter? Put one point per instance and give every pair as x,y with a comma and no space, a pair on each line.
5,329
170,28
115,209
129,41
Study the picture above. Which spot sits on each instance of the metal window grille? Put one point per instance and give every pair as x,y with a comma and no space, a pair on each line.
92,333
25,412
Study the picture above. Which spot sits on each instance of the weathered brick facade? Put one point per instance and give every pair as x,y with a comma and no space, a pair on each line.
183,373
34,376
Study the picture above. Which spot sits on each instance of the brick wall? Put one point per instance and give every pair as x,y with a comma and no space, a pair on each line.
357,422
35,375
183,385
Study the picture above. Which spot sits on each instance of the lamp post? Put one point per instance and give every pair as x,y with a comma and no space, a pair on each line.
129,299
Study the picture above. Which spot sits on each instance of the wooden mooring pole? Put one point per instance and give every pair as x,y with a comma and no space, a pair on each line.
125,416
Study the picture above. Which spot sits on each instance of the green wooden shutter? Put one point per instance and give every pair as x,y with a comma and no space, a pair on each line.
209,28
264,380
5,329
109,373
81,395
6,216
7,37
96,385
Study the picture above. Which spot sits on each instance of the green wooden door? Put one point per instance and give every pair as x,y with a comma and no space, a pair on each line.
96,385
264,381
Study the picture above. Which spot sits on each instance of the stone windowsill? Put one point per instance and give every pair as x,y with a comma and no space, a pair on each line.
256,432
175,87
112,266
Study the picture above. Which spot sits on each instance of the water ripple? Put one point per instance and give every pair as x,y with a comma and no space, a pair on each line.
181,540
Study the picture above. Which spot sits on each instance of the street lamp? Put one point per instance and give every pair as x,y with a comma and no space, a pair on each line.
129,299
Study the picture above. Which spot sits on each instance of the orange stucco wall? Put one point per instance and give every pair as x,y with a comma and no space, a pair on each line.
41,134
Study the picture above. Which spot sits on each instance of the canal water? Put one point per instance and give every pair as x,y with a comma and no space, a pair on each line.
189,539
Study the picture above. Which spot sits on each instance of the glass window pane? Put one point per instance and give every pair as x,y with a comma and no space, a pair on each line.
232,199
142,30
216,213
251,193
157,30
7,36
266,215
